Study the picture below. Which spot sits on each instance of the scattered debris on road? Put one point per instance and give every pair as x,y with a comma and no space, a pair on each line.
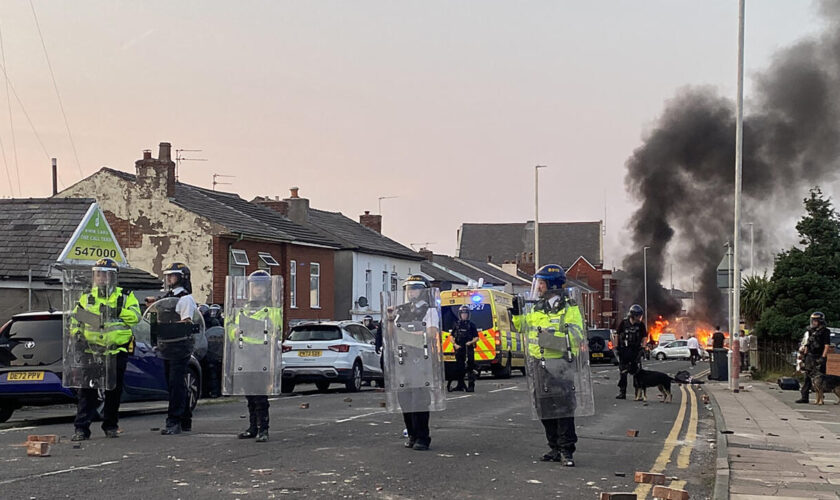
632,433
649,478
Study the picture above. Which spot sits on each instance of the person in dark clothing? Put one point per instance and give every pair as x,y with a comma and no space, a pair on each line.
816,352
377,336
631,340
718,338
465,336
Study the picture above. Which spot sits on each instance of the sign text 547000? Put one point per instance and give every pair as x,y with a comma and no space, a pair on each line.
95,252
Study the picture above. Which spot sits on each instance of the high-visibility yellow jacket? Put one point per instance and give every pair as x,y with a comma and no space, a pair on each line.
113,332
274,315
539,317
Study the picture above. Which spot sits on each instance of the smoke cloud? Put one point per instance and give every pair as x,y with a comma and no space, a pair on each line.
683,174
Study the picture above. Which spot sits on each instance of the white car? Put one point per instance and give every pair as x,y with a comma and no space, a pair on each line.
330,352
675,349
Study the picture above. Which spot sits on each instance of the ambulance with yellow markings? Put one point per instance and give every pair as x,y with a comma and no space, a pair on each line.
500,347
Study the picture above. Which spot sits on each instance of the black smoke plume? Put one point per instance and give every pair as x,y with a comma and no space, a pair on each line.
684,173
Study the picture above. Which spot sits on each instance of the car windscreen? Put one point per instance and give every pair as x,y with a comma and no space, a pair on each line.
480,314
31,343
601,333
312,333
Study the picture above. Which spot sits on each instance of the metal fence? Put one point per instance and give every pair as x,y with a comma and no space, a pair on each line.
777,356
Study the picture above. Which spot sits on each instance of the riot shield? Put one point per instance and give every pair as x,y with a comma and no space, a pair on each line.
557,357
253,336
85,359
414,371
173,337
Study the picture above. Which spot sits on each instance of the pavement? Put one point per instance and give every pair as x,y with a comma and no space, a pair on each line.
774,448
484,445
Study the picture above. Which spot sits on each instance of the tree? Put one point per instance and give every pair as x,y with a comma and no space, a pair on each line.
807,279
754,298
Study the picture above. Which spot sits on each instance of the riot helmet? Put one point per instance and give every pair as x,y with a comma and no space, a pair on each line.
175,275
819,318
368,321
636,312
464,311
414,286
548,281
259,287
104,276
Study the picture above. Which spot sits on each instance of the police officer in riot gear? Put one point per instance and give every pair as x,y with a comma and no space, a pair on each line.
117,311
258,308
815,351
553,309
464,338
177,283
416,309
632,335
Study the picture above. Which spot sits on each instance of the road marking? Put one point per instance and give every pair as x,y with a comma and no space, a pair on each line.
677,485
56,472
690,434
459,397
359,416
504,389
664,457
17,429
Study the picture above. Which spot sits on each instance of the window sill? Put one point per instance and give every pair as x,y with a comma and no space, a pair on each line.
293,307
314,307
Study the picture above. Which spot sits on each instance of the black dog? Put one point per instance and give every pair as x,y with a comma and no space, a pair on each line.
642,379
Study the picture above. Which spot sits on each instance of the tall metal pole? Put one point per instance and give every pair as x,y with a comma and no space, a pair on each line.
644,254
537,216
739,144
752,251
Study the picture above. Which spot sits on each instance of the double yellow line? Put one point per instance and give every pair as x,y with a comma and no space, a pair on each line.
672,441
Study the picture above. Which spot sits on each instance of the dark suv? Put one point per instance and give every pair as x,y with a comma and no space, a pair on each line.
31,366
601,346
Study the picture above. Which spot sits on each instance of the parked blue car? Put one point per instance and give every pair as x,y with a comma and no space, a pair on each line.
31,366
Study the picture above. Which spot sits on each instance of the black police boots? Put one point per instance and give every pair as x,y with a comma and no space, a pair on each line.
621,395
248,434
171,430
112,433
80,435
566,459
262,436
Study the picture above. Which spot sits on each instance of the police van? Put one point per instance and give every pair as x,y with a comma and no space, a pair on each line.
500,347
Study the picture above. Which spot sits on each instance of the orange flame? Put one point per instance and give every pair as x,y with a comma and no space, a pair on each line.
657,328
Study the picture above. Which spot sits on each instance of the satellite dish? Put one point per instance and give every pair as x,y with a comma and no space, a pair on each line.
363,301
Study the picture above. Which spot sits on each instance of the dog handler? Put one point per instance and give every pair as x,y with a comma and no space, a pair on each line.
632,335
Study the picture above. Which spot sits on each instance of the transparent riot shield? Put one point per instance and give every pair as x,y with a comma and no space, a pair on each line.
173,337
557,357
86,361
253,336
414,371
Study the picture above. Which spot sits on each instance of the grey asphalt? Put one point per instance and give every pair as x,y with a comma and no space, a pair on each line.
485,445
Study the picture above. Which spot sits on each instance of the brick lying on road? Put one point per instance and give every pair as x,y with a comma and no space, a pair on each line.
304,406
37,449
649,478
669,493
631,433
46,438
618,496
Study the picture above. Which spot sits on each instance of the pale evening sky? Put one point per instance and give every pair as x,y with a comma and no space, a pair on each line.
447,105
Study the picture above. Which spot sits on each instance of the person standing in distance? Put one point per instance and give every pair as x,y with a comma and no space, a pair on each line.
121,311
176,281
465,336
693,349
632,335
816,353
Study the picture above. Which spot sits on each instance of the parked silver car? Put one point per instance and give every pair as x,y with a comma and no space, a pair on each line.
676,349
330,352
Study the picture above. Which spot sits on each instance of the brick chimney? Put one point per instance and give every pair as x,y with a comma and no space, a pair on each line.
276,204
426,254
525,261
510,268
371,221
298,207
157,176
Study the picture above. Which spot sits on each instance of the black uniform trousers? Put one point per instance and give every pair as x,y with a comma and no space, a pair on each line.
417,422
179,411
812,366
627,360
89,401
560,433
258,413
465,364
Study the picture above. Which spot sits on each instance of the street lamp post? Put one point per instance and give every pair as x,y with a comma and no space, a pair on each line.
752,251
739,145
537,216
380,206
644,254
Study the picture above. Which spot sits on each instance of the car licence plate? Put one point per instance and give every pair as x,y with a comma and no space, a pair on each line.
24,376
309,354
597,355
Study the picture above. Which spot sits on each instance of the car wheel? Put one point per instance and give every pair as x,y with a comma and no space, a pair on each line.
355,383
503,372
322,386
660,356
287,386
193,387
6,413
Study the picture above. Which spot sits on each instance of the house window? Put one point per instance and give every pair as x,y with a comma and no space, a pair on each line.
267,261
368,285
236,270
385,282
293,284
314,285
240,258
394,282
606,289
